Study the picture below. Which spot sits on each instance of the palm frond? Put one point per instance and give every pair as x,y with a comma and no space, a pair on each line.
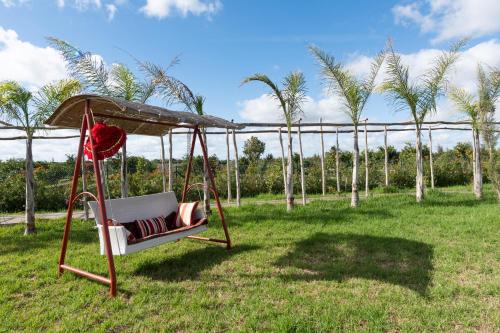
464,102
14,103
124,84
198,104
294,93
276,92
48,98
397,83
435,79
170,89
369,82
89,69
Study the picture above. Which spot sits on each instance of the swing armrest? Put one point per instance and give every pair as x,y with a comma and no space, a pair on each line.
118,238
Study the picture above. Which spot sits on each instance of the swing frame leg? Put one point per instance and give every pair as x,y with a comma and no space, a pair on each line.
87,124
197,134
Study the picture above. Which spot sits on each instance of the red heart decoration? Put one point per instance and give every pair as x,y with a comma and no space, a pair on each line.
107,141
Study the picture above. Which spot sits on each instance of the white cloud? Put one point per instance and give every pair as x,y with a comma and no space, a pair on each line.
13,3
111,9
164,8
83,5
450,19
60,3
30,64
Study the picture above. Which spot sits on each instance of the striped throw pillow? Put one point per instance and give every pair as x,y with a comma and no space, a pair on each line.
153,226
185,213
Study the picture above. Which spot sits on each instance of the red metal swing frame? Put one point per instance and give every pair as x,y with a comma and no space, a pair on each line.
87,124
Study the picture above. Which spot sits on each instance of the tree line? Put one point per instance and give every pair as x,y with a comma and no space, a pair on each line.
452,166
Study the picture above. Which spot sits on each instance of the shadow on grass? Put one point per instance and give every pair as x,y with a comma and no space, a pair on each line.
339,257
191,264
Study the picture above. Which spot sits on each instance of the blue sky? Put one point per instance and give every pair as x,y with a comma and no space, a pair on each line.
221,41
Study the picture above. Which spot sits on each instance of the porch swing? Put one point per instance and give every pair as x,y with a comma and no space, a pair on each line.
84,112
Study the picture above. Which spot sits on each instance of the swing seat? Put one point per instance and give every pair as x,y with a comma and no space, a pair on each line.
126,210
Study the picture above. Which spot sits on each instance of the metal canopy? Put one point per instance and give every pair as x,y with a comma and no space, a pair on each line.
132,117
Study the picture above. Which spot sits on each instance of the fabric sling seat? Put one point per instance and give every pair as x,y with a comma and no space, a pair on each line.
126,210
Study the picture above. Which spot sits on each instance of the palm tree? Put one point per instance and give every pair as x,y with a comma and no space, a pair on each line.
419,97
354,94
290,98
481,109
29,110
118,81
470,106
172,90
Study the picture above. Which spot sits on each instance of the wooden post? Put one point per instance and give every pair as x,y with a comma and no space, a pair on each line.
236,171
430,158
163,168
170,169
386,158
228,167
84,189
283,160
302,174
123,171
367,183
206,166
337,161
322,157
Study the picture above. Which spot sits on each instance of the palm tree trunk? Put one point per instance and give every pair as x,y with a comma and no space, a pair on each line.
170,167
322,156
206,192
419,181
302,171
355,169
478,173
283,162
367,170
337,161
431,164
386,158
123,172
289,174
163,167
236,171
30,187
228,167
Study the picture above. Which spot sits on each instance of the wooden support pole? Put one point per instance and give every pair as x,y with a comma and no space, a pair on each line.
123,172
474,177
228,167
163,168
367,171
302,173
236,171
386,158
283,161
430,158
170,169
337,161
84,189
206,166
322,158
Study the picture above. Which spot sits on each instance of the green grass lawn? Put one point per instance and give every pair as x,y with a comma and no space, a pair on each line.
391,265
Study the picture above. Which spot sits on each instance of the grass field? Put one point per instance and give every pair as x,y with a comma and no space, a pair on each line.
391,265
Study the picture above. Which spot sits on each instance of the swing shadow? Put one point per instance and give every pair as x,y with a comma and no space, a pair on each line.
339,257
190,265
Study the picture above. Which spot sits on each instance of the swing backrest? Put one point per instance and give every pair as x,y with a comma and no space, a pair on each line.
125,210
